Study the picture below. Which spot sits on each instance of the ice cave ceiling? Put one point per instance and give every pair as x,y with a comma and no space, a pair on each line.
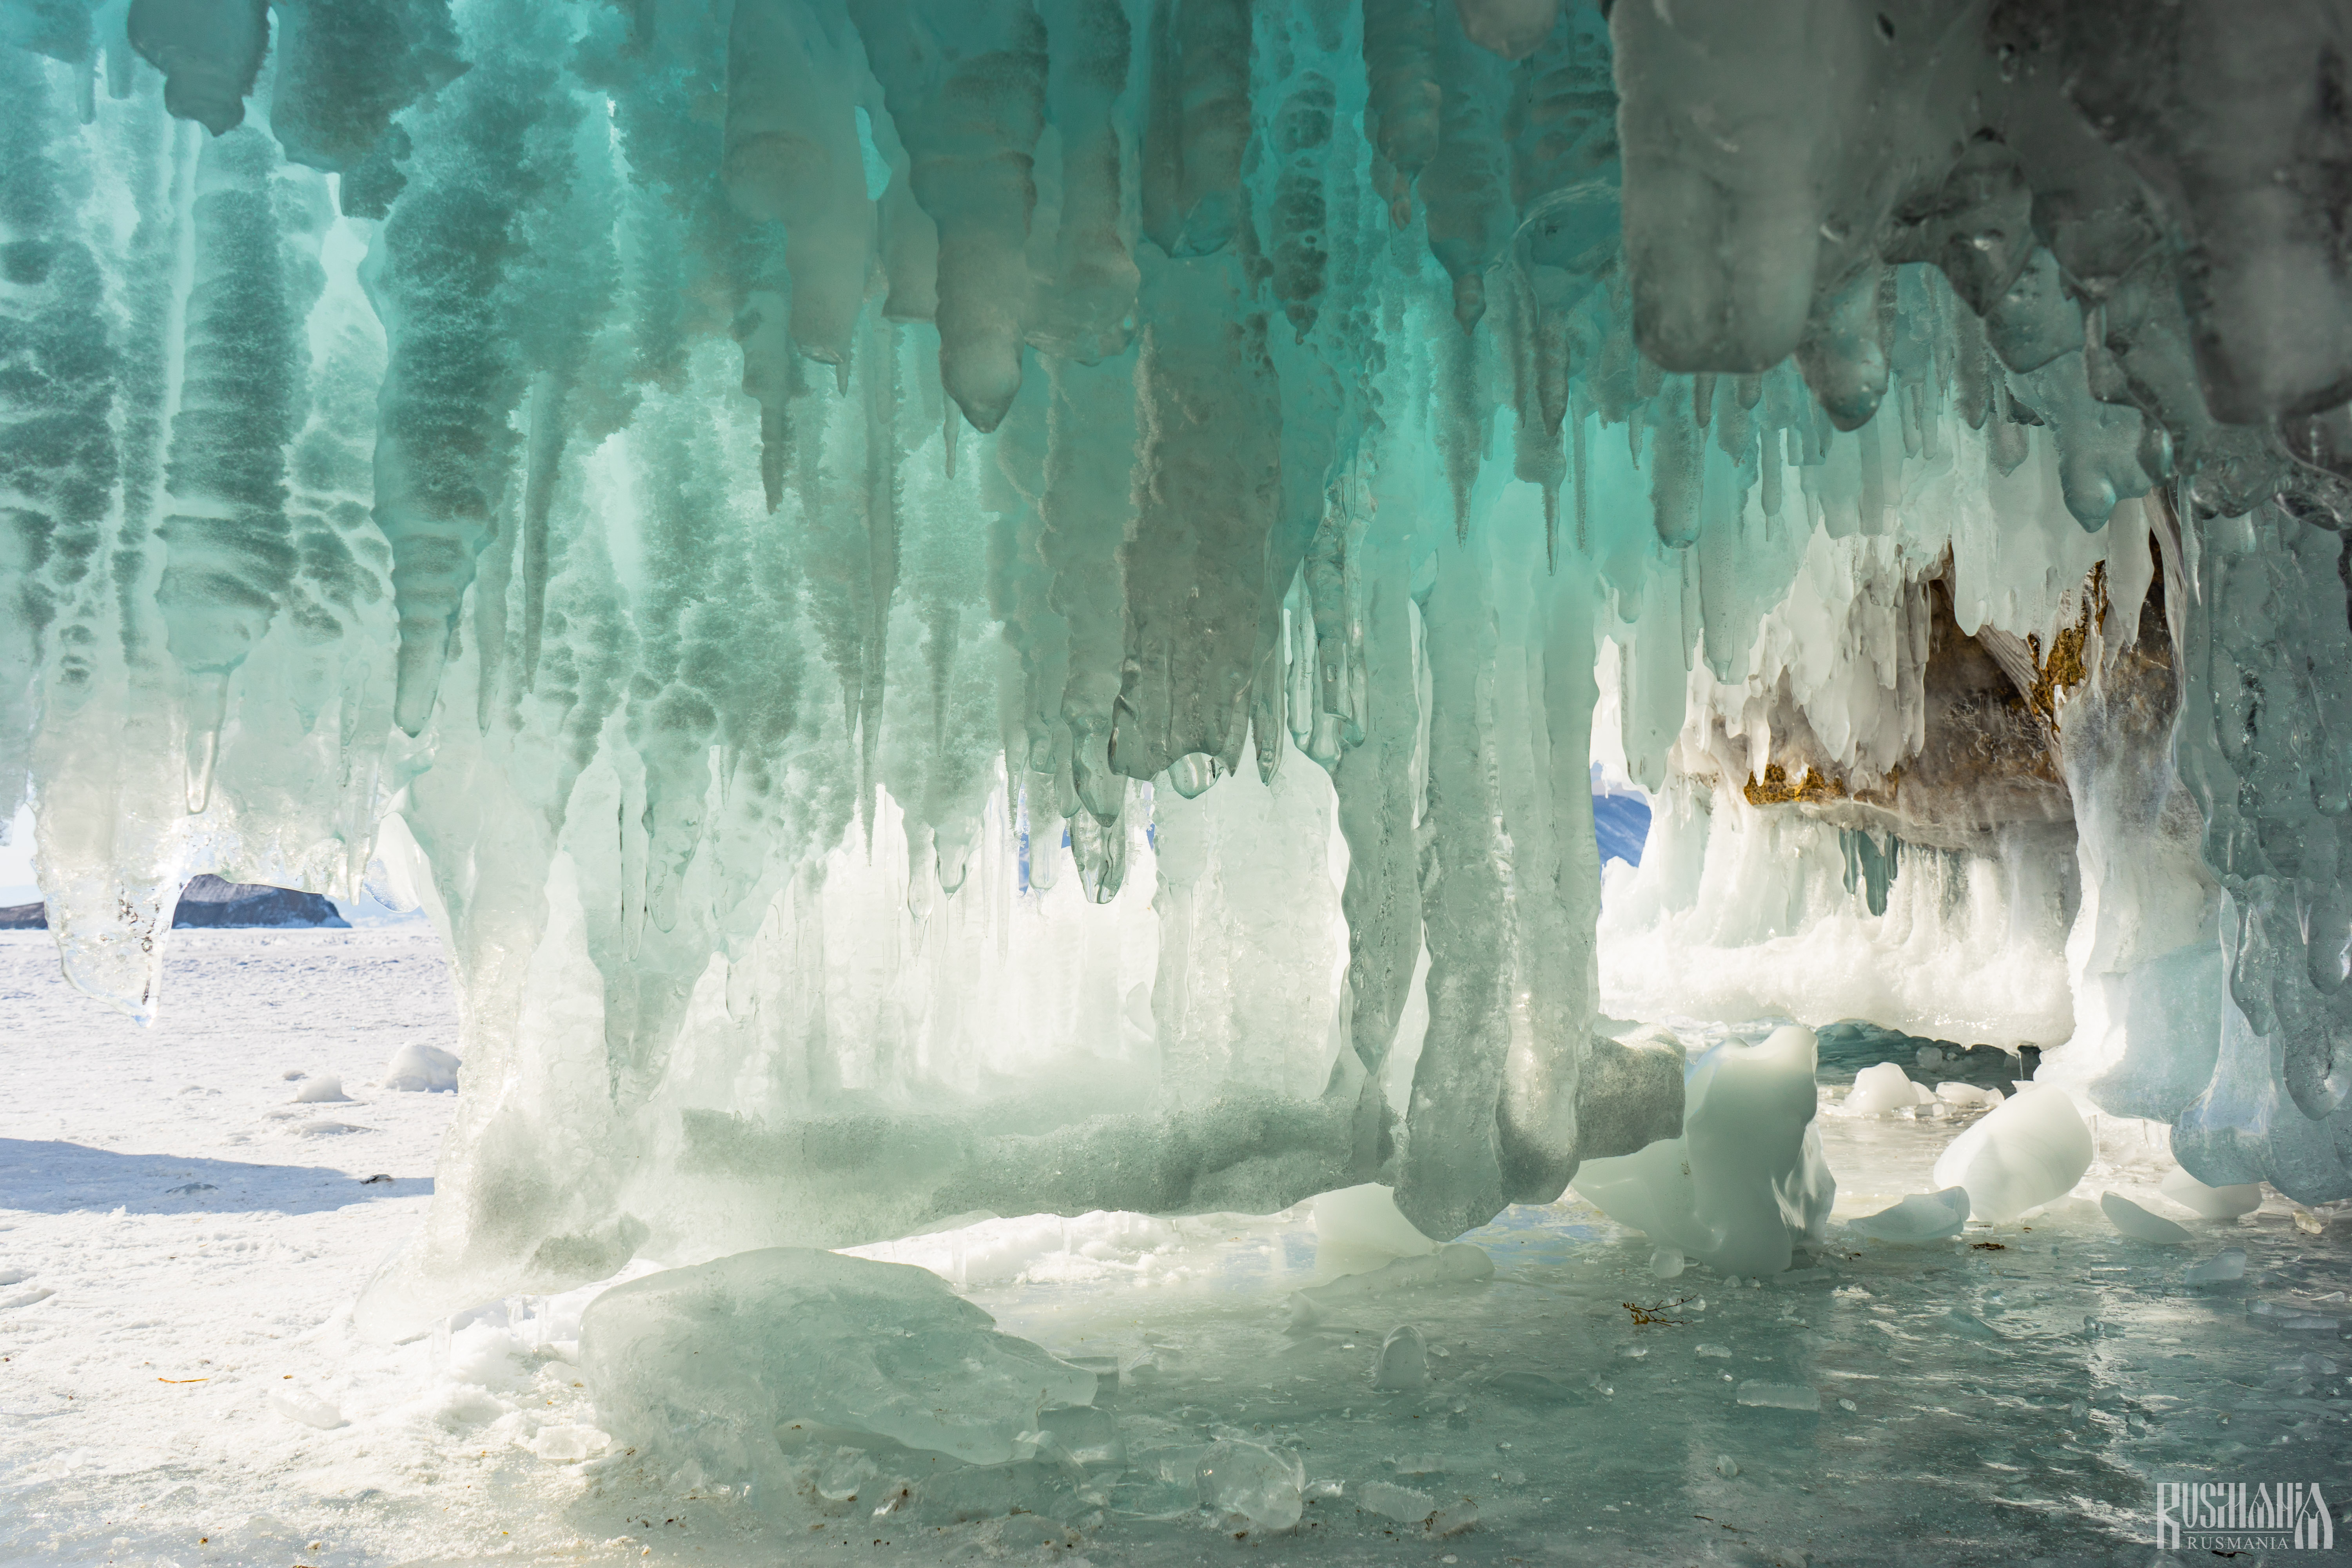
1000,604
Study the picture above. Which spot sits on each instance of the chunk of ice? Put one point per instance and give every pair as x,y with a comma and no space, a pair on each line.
418,1069
2029,1151
567,1444
710,1361
1745,1181
1405,1361
1456,1263
1780,1396
2139,1224
308,1409
1882,1089
2212,1203
1264,1486
1393,1501
1921,1217
2226,1264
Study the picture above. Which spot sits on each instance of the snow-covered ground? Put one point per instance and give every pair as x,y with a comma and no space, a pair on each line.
180,1235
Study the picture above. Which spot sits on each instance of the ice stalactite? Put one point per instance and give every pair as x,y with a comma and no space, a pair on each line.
966,84
1009,604
228,547
1207,479
209,51
1401,118
793,157
57,455
343,73
1086,310
497,140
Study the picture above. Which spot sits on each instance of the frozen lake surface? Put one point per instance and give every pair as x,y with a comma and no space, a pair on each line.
181,1238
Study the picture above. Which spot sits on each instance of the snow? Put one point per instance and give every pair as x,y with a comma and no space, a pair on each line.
2009,1393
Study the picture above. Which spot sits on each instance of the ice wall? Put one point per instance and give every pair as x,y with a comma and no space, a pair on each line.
983,604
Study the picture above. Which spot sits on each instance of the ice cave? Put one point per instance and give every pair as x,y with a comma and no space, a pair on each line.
1311,781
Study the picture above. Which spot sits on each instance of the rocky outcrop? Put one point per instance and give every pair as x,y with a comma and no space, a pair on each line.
208,901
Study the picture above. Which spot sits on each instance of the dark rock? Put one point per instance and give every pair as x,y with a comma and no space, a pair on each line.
208,900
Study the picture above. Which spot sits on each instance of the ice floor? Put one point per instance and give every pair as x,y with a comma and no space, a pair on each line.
179,1241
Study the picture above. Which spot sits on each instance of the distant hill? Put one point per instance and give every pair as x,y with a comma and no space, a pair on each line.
208,900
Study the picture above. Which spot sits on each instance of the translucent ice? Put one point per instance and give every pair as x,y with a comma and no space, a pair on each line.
709,1362
1921,1217
1365,1219
1403,1364
1745,1181
2224,1266
2139,1224
967,606
1262,1486
2029,1151
1780,1396
1407,1505
1885,1087
2212,1203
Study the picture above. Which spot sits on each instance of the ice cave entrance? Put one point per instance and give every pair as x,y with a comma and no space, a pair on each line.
1491,779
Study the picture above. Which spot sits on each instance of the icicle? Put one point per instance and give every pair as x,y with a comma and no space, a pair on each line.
1468,194
1207,488
965,82
1402,121
229,548
209,52
1302,137
1088,313
793,157
344,68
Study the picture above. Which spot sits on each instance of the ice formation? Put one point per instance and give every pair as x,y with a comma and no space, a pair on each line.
1920,1217
2029,1151
724,1361
1006,606
1745,1183
2139,1224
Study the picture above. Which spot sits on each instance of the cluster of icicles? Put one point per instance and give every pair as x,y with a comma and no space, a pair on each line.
773,518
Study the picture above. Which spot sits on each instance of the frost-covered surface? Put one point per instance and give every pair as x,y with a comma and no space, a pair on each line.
2006,1403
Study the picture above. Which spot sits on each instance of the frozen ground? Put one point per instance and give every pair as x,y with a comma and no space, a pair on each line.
179,1241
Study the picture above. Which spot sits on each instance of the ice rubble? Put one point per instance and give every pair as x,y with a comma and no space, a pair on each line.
716,1363
1000,605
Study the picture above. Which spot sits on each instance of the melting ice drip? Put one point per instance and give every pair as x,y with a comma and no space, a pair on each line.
728,503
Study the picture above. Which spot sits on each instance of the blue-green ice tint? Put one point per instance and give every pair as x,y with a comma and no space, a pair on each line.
691,493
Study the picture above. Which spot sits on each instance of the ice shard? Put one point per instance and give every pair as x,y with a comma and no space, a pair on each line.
1010,603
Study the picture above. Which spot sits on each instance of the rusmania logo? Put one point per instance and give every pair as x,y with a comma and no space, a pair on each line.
2242,1516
